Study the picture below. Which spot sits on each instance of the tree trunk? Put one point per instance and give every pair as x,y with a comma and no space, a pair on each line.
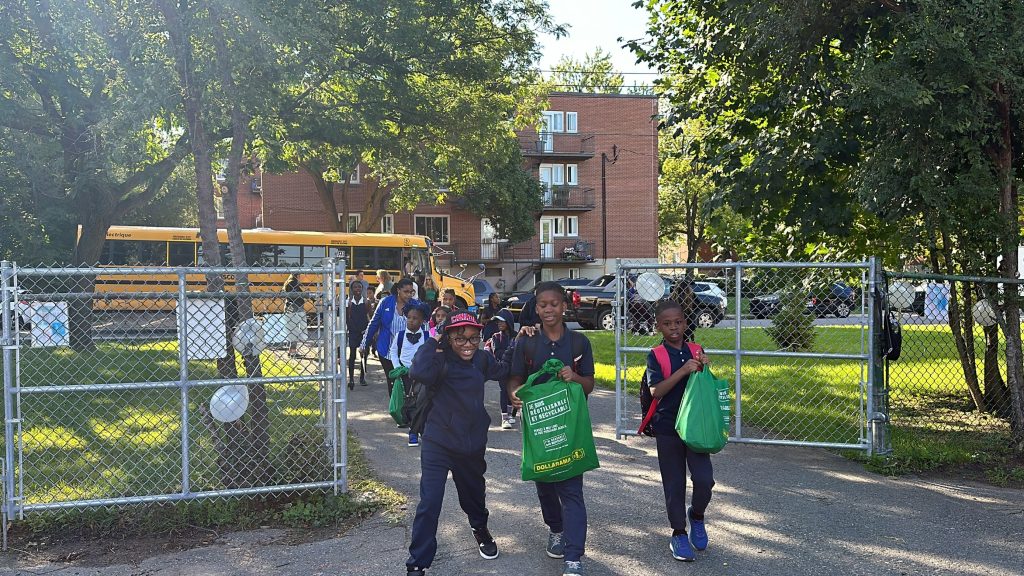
325,192
1008,207
996,396
374,208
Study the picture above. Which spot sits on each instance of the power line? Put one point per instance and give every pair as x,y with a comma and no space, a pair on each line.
599,72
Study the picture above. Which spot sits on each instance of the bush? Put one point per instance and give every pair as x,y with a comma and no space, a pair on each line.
792,327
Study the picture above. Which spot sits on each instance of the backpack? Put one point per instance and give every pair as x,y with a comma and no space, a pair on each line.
891,334
648,403
419,398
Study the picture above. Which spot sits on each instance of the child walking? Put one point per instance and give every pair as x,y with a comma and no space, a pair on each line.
497,345
357,318
437,320
673,455
407,341
561,503
455,435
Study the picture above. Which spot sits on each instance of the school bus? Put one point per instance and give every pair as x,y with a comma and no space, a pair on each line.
144,246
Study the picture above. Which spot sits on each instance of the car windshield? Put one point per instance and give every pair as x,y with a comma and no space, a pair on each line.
602,281
481,286
701,287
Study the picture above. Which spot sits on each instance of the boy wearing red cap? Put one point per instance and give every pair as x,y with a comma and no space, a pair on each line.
455,435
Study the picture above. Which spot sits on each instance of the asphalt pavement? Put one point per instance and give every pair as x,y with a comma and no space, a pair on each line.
775,511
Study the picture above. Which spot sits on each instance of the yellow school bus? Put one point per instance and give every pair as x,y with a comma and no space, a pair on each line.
144,246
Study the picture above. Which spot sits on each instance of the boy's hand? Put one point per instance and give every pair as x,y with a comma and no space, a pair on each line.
528,331
691,366
703,359
566,374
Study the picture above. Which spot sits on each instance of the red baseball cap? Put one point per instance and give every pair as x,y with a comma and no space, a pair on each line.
462,319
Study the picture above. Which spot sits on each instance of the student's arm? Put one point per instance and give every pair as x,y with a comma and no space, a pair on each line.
496,370
426,364
371,330
585,376
660,386
517,372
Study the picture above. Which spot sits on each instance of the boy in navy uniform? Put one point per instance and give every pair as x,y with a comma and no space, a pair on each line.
561,503
455,435
673,455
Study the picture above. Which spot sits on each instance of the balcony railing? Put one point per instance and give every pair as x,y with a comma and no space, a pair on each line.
568,198
565,144
562,249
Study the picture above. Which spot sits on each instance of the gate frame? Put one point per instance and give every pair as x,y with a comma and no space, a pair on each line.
873,426
332,376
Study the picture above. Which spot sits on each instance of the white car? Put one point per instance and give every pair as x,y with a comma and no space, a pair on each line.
712,288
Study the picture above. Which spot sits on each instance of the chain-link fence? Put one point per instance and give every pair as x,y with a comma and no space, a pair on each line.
949,383
792,338
128,385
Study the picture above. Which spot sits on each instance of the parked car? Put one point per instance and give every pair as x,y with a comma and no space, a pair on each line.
573,282
516,300
838,300
591,306
483,290
709,287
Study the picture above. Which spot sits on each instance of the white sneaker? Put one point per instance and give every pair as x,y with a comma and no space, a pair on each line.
512,420
506,424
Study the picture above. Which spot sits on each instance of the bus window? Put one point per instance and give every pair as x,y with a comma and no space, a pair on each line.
389,258
313,255
182,253
134,253
260,254
225,253
421,260
364,258
289,255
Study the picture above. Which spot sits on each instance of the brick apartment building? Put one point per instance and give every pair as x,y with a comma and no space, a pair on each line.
580,231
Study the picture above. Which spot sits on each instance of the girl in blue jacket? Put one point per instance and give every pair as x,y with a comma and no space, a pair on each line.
386,322
455,435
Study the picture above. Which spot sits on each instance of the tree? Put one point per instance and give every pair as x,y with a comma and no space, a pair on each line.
594,74
849,121
421,94
685,191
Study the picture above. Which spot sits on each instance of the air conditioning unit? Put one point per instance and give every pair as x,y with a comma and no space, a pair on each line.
255,187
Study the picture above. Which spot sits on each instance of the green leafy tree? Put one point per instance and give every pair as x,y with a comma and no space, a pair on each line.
595,74
685,191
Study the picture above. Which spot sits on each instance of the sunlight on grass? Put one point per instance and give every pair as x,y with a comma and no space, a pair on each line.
140,428
38,438
306,412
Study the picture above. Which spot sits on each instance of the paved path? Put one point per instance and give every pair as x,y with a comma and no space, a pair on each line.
776,511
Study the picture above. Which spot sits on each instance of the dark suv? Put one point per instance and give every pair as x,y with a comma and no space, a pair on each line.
838,300
591,306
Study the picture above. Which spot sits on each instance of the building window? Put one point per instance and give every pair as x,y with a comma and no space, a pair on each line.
571,122
434,227
557,226
353,222
546,275
574,273
572,225
572,174
218,205
387,224
552,120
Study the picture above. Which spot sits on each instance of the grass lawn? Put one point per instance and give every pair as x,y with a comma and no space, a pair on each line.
934,426
87,445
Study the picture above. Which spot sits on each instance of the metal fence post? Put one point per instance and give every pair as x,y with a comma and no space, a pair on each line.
186,485
737,351
619,356
7,275
877,408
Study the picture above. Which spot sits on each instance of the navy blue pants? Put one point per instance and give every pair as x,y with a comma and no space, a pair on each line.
563,509
673,459
468,472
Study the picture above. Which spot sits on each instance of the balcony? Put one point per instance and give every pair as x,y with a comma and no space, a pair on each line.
556,144
568,198
562,250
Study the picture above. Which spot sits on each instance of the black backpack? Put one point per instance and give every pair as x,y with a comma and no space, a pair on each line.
891,334
419,398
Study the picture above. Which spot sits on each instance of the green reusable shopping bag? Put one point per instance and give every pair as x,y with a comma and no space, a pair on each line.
558,442
703,418
397,395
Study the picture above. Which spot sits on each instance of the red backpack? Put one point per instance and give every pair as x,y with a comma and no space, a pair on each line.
648,403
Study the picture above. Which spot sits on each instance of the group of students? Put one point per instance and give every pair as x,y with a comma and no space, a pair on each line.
454,438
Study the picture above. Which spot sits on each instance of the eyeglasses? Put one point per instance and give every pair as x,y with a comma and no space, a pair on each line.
460,341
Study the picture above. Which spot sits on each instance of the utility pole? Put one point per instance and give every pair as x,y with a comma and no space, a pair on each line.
604,201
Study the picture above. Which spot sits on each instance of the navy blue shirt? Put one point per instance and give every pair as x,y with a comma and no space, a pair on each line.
664,421
458,419
545,349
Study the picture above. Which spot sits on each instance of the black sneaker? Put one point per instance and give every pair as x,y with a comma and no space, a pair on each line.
484,540
415,571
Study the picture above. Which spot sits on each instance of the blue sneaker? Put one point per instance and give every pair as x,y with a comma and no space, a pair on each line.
414,439
680,547
698,535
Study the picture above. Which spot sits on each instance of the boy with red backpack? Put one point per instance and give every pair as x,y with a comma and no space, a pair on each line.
669,366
